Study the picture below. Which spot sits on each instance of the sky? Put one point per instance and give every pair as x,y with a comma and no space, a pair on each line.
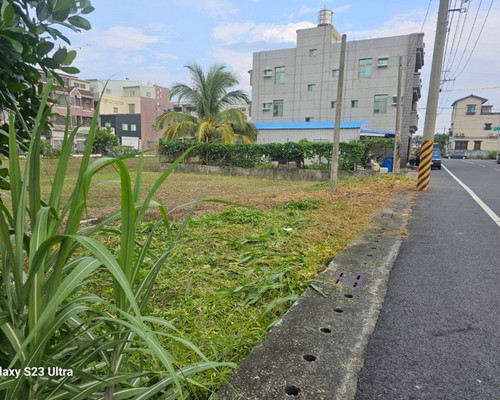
153,40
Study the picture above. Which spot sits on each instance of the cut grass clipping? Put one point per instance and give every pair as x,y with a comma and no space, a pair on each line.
235,273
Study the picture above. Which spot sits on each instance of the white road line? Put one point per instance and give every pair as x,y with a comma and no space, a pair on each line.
487,210
496,169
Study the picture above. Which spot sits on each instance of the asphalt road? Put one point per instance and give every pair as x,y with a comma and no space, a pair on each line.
482,176
438,334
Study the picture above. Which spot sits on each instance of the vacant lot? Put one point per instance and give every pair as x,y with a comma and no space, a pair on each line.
236,270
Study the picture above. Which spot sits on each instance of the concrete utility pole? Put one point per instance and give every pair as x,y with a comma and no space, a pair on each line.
397,137
424,171
338,118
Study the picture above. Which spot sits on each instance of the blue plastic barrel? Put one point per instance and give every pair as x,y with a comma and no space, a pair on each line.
387,163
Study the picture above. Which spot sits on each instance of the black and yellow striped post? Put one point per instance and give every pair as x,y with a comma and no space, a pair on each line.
424,168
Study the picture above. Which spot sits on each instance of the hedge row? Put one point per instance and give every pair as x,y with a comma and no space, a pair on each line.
250,155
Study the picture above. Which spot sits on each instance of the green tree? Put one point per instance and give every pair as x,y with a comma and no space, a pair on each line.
211,95
104,141
442,140
29,31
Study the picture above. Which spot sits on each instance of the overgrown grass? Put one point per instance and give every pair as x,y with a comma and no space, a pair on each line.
236,272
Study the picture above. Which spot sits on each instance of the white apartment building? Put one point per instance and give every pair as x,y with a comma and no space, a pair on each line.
188,108
300,84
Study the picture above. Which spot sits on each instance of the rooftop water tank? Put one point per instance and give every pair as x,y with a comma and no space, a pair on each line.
325,17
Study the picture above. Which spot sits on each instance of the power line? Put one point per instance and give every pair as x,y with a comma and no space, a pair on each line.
472,89
477,40
426,15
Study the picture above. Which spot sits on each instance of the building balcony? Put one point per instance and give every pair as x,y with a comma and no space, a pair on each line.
413,121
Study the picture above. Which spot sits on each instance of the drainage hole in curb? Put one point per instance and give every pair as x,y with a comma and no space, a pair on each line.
292,390
373,248
369,255
348,295
325,330
309,357
338,310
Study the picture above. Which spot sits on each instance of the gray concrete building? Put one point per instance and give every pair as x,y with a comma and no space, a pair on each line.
300,84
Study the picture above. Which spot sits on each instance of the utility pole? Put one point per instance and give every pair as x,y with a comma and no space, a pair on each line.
424,171
397,138
338,118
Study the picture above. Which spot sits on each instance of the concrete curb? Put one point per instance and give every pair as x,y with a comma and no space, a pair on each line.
317,350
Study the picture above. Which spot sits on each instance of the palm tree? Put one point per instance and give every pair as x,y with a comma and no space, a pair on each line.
210,96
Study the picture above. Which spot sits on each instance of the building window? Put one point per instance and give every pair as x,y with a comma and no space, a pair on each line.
115,110
395,101
354,103
108,91
309,119
313,53
332,104
335,73
132,93
124,127
131,108
477,145
311,87
365,68
461,144
277,108
380,104
487,126
383,62
268,73
148,94
471,109
266,106
133,127
279,75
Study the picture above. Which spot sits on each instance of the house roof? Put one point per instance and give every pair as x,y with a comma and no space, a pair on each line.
483,100
308,125
376,133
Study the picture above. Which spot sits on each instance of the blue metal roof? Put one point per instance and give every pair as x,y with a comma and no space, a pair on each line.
309,125
373,132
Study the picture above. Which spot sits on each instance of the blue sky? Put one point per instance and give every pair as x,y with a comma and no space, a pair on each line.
152,40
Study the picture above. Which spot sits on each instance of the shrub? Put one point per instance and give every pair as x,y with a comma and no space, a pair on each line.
251,155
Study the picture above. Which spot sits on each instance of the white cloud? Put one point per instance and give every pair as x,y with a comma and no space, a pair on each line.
249,32
126,38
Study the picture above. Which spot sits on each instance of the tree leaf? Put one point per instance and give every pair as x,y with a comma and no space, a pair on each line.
79,22
88,10
18,47
60,55
70,57
44,48
70,70
8,13
61,15
42,11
